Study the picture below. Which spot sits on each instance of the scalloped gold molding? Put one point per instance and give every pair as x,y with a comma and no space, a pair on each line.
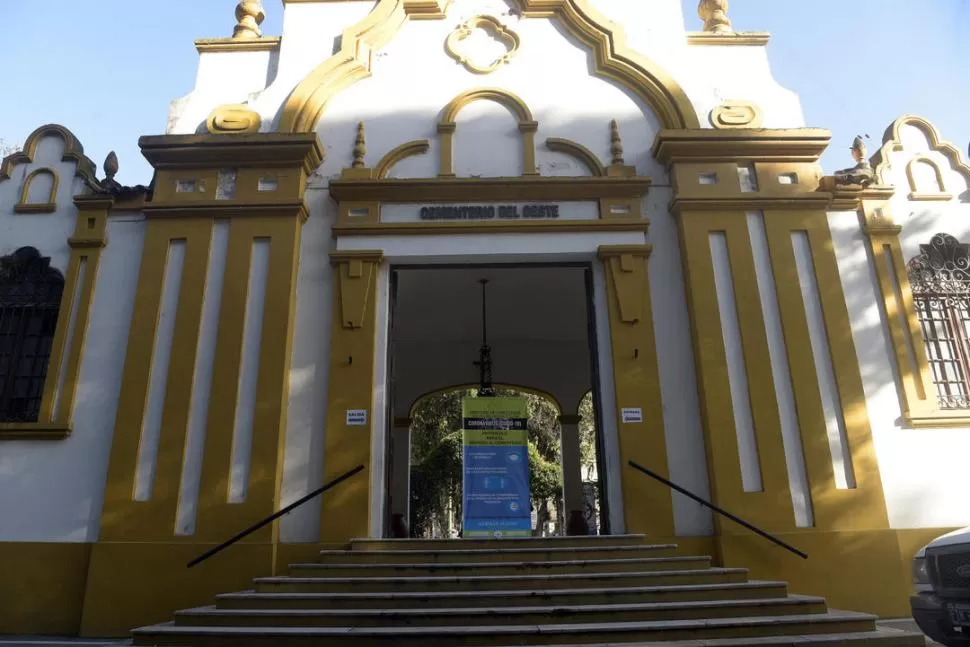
233,119
38,207
920,196
736,113
579,152
528,126
73,152
612,59
496,30
737,39
266,44
402,152
892,143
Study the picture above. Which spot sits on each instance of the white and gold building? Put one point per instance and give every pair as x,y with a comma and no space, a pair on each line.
181,360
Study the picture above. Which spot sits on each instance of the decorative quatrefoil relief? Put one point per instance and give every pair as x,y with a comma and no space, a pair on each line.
482,44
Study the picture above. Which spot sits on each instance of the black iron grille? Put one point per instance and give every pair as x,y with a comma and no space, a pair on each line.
948,567
30,297
940,280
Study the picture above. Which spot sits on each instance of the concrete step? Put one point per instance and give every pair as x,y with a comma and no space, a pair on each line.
173,635
498,582
518,598
519,554
879,638
52,641
491,544
501,568
500,616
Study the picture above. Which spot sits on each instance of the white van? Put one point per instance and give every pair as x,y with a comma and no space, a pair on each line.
941,575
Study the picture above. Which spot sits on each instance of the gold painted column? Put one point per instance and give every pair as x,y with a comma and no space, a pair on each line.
574,498
346,509
756,245
647,504
917,391
64,365
243,193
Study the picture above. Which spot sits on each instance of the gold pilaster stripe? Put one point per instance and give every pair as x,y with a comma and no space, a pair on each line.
215,515
917,390
772,507
86,244
346,510
123,518
864,506
648,506
253,214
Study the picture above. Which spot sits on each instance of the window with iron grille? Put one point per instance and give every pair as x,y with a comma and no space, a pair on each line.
940,279
30,297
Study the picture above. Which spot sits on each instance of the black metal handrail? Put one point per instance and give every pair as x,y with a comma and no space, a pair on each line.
273,517
718,510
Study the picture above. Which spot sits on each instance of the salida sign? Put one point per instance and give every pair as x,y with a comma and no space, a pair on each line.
488,212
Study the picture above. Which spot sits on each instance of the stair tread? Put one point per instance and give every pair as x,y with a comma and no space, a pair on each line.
479,578
499,540
492,551
516,564
793,600
390,595
892,638
832,616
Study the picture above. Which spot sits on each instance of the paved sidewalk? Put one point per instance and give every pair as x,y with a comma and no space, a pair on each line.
906,624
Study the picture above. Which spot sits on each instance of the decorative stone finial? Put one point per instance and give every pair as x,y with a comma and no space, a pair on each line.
249,16
360,147
714,15
616,144
859,150
861,174
110,186
111,166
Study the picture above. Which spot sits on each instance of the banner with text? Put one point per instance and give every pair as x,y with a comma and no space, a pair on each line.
495,501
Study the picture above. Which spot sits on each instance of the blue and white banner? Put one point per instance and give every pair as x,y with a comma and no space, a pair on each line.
495,436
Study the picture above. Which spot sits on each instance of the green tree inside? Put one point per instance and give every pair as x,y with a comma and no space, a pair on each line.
436,462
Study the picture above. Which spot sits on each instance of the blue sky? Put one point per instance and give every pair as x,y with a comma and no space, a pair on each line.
108,69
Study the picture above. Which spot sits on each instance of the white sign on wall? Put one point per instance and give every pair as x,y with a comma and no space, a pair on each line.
632,416
356,417
489,212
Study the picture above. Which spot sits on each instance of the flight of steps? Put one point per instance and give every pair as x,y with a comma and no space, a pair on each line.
554,591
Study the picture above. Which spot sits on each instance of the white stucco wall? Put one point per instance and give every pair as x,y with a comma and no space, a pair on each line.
53,490
568,102
309,372
923,470
415,74
48,232
311,34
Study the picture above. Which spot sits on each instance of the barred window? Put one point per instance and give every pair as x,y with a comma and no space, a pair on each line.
30,297
940,279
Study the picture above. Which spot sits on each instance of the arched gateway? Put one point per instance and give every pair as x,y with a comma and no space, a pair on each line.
647,209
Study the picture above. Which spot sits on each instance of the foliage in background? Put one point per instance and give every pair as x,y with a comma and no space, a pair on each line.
8,148
436,459
587,438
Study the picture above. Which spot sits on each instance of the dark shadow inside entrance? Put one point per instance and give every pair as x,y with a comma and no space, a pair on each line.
541,332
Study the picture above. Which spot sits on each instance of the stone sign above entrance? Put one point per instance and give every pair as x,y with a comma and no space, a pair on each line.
485,212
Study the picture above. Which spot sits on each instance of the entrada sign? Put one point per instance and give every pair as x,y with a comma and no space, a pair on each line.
505,212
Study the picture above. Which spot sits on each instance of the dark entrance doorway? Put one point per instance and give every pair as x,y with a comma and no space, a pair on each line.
542,335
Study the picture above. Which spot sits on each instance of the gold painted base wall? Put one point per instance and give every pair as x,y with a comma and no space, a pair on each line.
42,587
103,590
866,571
134,584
